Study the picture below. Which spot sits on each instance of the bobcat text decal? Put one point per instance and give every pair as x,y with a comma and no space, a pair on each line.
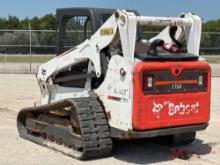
175,108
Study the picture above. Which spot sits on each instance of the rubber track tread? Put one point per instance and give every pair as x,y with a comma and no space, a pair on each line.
90,111
95,133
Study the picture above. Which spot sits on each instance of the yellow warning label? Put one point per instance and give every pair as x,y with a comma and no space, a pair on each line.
106,31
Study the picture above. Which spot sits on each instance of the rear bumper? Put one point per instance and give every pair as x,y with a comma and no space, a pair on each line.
120,134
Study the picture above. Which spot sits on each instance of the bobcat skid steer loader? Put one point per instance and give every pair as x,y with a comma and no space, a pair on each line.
110,82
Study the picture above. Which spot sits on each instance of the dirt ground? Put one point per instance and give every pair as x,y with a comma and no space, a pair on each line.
18,91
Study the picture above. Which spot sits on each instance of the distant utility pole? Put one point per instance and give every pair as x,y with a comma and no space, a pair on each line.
30,51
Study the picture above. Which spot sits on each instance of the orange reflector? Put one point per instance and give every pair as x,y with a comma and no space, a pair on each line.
159,83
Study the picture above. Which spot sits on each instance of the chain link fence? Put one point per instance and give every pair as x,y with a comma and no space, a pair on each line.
24,42
32,47
210,43
44,42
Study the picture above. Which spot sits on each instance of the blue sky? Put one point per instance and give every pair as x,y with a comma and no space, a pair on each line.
207,9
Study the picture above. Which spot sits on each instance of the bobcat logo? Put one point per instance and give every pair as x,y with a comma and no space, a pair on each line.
157,108
175,108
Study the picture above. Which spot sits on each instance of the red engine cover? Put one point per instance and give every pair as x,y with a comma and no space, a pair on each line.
160,110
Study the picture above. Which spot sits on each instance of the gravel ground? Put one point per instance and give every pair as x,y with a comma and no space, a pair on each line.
18,91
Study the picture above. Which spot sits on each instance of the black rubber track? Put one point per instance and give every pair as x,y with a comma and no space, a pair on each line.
95,134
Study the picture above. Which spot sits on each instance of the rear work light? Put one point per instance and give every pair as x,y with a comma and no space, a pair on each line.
200,82
148,82
203,80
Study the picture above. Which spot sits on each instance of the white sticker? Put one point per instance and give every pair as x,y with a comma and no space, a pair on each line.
175,108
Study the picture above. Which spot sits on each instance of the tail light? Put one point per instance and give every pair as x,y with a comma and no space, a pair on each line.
203,80
148,83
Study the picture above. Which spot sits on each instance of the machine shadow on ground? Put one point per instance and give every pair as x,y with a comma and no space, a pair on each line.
155,151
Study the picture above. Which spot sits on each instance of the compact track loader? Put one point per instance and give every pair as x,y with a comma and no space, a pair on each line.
109,81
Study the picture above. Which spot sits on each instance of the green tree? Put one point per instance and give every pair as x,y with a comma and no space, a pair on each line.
3,23
24,24
212,26
35,23
48,22
13,22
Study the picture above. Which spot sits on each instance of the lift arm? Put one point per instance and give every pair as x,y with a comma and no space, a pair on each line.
126,23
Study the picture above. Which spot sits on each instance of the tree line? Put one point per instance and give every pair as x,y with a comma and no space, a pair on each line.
48,22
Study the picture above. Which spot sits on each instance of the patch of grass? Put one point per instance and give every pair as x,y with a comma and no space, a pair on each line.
26,58
214,59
